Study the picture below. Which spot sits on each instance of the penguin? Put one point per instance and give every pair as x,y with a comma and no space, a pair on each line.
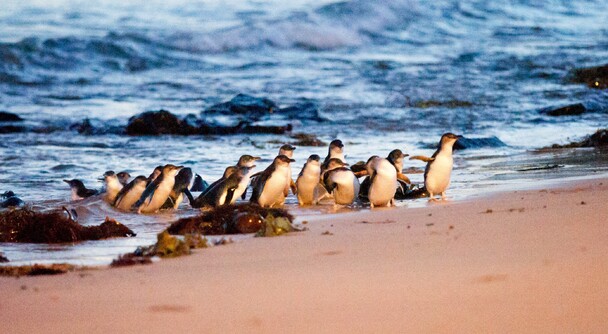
244,161
395,157
131,193
11,200
271,187
123,177
180,188
227,190
341,182
336,150
112,186
307,181
158,191
439,166
155,173
383,182
287,150
79,191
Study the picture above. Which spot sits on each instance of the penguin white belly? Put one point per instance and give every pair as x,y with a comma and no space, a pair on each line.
158,198
306,185
112,191
347,187
240,189
383,188
273,193
126,202
75,196
438,177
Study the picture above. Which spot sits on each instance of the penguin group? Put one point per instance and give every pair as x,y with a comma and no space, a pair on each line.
332,179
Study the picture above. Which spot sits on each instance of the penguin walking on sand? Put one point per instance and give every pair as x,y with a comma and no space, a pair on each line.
272,185
286,150
112,186
439,166
341,182
180,188
308,180
79,191
383,182
130,193
157,192
227,190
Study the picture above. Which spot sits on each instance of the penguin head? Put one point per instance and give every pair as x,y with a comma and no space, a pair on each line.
247,160
10,193
448,139
283,160
313,159
396,156
123,177
140,179
336,144
287,150
74,183
170,169
109,176
155,173
371,163
334,163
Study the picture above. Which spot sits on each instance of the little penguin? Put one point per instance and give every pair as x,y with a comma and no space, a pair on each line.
199,184
123,177
227,190
336,150
131,193
180,188
79,191
158,191
307,181
439,166
112,186
287,150
383,182
341,182
10,200
271,187
155,173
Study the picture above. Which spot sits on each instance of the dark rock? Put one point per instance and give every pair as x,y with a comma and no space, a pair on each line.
598,139
593,77
447,104
305,139
3,259
569,110
243,104
25,225
469,143
6,116
160,122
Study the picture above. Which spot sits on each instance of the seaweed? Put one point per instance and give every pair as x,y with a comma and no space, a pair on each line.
37,269
26,225
228,219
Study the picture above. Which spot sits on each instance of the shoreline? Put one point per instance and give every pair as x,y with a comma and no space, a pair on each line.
518,261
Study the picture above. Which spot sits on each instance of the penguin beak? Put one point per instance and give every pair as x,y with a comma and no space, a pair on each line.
292,160
405,155
252,166
459,136
66,181
179,167
256,159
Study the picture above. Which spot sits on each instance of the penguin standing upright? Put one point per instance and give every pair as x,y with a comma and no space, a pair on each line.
336,150
227,190
307,181
439,166
180,188
112,186
383,182
341,182
158,191
272,185
130,193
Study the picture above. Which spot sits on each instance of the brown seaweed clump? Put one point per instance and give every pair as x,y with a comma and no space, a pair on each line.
165,246
227,219
25,225
37,269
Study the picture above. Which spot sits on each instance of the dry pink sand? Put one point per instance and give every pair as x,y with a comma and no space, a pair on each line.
537,263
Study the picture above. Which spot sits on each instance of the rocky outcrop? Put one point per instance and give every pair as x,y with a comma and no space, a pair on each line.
569,110
593,77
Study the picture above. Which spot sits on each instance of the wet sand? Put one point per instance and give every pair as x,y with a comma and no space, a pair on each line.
520,261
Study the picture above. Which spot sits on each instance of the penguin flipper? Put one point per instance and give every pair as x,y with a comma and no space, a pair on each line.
403,178
422,158
292,185
189,195
229,195
244,195
361,173
147,194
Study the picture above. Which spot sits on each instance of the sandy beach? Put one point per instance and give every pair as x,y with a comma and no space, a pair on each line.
529,261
